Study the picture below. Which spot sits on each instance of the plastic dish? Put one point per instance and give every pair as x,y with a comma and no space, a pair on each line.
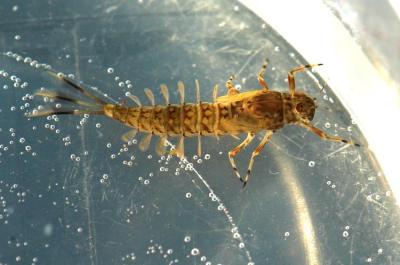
71,192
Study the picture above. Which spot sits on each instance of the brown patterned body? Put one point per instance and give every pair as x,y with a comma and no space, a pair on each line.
251,111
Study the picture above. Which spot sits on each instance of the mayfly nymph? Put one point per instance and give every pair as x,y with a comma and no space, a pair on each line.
250,112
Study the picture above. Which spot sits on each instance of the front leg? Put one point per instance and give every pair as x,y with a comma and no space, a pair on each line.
260,76
324,135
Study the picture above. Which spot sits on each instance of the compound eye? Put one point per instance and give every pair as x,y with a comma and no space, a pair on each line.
300,107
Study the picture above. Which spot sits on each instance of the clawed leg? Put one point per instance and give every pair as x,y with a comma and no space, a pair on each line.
260,76
236,150
255,153
292,84
325,136
231,88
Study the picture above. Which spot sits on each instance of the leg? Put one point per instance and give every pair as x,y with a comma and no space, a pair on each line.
260,76
231,88
292,84
215,93
236,150
255,153
325,136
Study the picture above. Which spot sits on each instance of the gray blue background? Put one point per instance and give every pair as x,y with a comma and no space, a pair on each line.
57,210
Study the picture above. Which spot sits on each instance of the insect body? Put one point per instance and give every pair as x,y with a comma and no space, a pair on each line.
237,112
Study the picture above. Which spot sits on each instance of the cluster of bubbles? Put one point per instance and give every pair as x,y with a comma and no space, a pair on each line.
126,83
14,139
330,184
130,257
158,249
27,60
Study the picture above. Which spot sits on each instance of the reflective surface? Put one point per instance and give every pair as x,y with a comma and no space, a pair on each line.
73,193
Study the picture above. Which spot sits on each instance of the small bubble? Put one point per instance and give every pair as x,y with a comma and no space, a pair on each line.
241,245
287,234
236,8
195,252
207,156
146,182
188,195
187,239
79,230
98,125
328,182
345,233
17,37
311,163
15,8
121,84
110,70
277,49
327,125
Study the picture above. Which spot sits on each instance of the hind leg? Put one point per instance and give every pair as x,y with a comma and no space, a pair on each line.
236,150
255,153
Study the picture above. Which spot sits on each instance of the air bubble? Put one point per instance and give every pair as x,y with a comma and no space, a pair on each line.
207,156
328,182
327,125
195,252
187,239
345,233
311,163
110,70
188,195
79,230
98,125
17,37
